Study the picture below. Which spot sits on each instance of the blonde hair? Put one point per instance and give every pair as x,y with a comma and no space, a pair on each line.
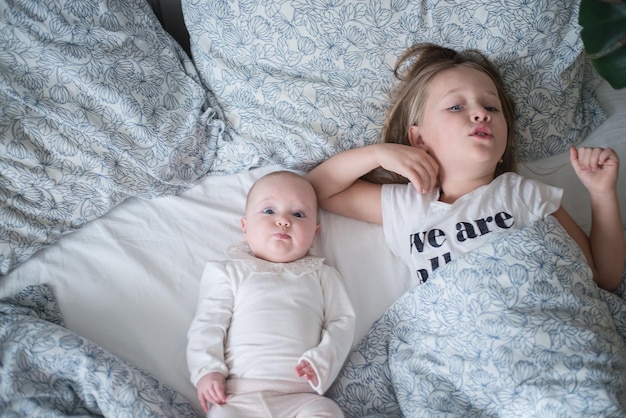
415,69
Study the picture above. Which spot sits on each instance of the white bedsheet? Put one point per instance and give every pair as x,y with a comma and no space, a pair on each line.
129,280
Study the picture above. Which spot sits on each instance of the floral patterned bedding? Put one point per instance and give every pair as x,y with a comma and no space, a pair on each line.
97,104
300,80
515,328
48,371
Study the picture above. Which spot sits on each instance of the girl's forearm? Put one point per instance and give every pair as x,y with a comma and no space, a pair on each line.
606,240
341,170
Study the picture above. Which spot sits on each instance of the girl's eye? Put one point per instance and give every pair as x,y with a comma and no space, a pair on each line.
491,108
299,215
268,211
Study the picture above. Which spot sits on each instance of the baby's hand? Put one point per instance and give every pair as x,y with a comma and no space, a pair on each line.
211,388
596,168
305,369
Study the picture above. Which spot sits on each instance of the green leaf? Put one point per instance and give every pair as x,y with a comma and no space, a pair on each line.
604,38
612,68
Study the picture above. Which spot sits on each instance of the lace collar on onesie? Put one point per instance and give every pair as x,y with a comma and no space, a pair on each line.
242,252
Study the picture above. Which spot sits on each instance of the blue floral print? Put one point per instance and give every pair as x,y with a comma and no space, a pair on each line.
515,328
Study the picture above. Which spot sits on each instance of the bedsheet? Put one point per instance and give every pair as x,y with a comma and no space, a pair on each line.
48,370
515,328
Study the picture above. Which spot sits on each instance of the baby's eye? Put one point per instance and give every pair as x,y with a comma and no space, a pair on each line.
298,215
455,107
268,211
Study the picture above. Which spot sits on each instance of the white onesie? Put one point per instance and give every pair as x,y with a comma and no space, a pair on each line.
256,320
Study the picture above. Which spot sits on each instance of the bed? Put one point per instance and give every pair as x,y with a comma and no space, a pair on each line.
128,142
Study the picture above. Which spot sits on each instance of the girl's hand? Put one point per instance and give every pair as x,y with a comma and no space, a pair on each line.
304,369
412,162
597,168
211,389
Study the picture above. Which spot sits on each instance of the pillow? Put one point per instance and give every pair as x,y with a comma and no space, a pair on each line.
48,370
302,80
97,103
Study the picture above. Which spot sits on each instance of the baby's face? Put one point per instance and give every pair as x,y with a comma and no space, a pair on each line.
281,218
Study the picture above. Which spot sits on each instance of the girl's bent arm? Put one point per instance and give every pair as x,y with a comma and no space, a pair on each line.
339,190
597,169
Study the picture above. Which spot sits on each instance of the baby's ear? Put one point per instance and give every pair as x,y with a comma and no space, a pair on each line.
415,138
317,231
243,225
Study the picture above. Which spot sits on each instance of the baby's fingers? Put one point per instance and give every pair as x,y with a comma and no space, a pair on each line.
218,395
304,368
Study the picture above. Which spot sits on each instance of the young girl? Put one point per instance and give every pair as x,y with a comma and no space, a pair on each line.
271,315
453,124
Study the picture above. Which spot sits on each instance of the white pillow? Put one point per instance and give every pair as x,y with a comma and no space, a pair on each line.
299,81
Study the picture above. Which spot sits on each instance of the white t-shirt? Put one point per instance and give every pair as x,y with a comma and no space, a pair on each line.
257,319
426,233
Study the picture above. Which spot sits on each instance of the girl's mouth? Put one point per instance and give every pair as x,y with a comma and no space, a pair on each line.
482,131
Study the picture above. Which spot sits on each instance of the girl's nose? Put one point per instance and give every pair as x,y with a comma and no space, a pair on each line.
481,115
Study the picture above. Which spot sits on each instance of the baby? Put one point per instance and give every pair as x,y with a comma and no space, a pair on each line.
271,315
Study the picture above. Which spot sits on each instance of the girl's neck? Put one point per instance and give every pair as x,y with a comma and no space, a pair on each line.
452,189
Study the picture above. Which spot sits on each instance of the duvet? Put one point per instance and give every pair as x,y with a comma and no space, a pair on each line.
515,328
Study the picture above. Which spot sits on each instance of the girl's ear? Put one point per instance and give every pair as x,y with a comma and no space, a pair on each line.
415,139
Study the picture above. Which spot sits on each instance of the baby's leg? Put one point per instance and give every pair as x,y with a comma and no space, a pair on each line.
317,406
242,405
252,398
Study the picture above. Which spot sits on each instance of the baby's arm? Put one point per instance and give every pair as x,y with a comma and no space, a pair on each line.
211,389
325,360
339,190
207,333
597,169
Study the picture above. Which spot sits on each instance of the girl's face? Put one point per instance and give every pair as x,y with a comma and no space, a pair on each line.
462,124
281,218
